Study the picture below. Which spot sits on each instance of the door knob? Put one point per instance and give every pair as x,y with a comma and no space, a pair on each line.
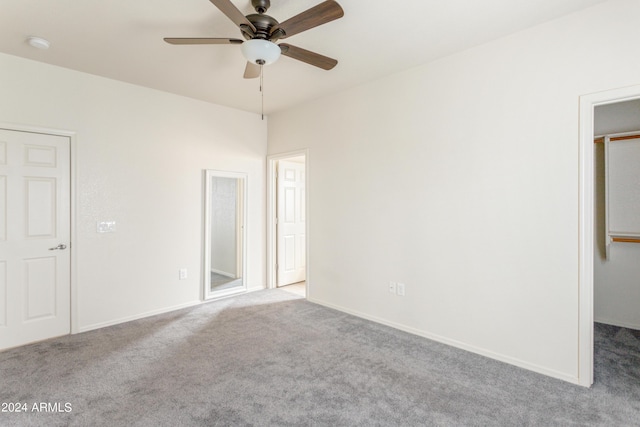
60,247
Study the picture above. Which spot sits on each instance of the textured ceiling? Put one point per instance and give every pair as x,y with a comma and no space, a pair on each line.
122,39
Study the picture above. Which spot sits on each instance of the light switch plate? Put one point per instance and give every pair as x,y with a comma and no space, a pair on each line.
400,289
106,226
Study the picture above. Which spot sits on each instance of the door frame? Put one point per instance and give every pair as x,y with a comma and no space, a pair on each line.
587,222
272,254
73,185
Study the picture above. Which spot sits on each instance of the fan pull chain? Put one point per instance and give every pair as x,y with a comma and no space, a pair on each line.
262,90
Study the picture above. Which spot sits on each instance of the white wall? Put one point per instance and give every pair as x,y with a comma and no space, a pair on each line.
617,279
140,159
460,179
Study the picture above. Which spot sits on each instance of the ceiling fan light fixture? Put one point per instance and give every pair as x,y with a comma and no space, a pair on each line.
261,52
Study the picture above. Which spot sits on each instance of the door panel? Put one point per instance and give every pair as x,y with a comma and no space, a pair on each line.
40,156
41,209
3,208
289,253
34,220
40,288
291,223
289,204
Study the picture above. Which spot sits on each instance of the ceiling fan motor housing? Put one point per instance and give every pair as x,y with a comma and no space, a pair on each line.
263,24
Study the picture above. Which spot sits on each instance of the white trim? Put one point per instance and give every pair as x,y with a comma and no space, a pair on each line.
586,219
457,344
271,214
256,288
223,293
73,183
138,316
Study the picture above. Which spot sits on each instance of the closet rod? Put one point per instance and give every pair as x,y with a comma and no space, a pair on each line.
622,138
625,239
616,138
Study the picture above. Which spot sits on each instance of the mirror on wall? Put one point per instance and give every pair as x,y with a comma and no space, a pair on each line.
225,204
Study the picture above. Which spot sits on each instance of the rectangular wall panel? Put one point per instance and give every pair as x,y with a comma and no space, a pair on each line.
40,287
41,207
3,293
42,156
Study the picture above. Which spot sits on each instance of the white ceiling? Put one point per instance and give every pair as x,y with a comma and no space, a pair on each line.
122,39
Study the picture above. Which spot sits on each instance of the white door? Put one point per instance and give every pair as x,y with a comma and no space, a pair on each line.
34,237
291,243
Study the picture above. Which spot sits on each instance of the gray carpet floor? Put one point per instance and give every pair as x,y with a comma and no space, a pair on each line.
270,358
220,282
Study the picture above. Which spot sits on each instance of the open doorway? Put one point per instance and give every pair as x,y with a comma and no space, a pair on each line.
593,109
287,226
617,241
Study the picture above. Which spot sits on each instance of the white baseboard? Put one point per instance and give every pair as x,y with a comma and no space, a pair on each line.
153,313
137,316
256,288
473,349
617,323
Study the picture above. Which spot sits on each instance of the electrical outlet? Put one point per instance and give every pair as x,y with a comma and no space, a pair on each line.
400,289
182,274
392,287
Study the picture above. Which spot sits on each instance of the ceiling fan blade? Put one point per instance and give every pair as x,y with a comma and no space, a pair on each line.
200,40
307,56
251,71
233,13
321,14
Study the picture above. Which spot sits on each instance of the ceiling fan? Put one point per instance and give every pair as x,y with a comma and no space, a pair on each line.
261,31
